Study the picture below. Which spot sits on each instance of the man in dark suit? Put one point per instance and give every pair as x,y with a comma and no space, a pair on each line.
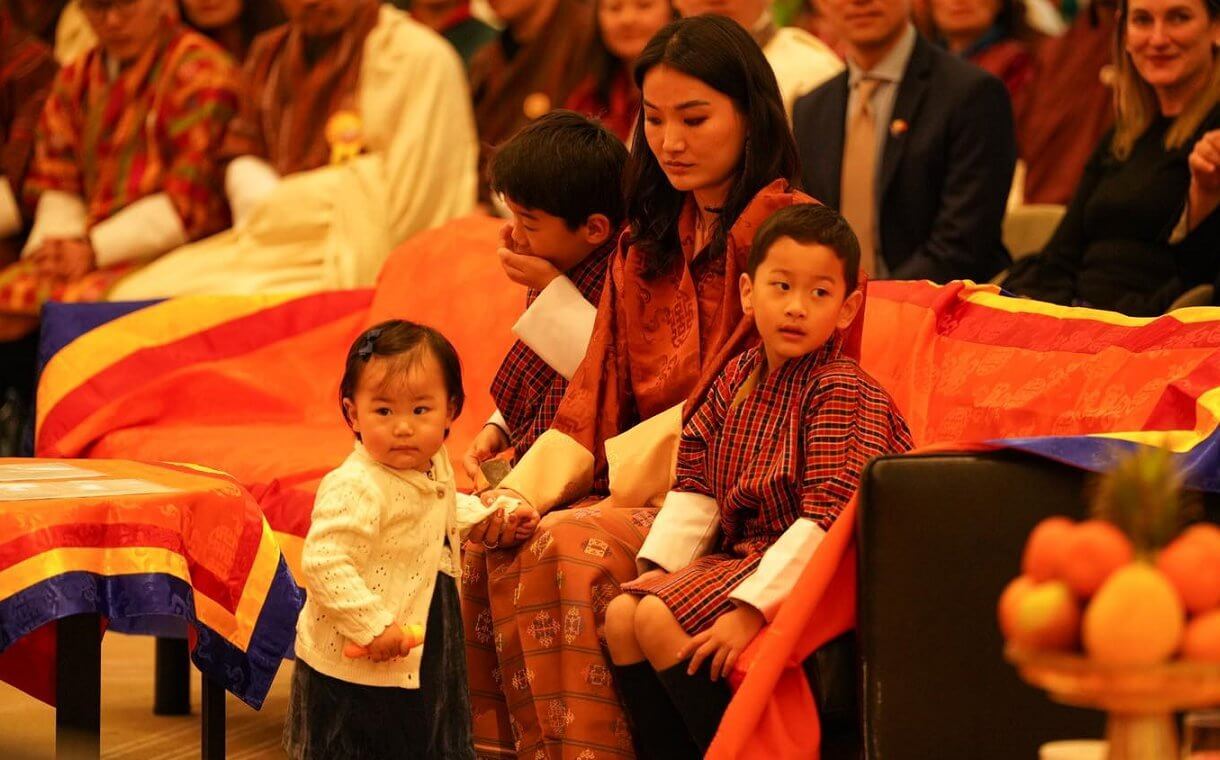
913,145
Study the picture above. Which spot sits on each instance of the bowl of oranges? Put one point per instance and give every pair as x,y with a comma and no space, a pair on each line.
1121,612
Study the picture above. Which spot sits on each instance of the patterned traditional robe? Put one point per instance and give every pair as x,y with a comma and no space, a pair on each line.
526,389
775,458
539,681
107,141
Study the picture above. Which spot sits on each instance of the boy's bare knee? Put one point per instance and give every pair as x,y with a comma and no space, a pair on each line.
654,624
620,630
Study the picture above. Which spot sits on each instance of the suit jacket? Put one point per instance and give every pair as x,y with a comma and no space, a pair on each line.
943,182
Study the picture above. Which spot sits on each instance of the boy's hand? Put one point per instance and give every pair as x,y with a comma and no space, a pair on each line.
656,572
489,442
387,645
527,269
724,641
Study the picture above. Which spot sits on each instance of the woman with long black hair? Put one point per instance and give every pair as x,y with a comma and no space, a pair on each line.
712,158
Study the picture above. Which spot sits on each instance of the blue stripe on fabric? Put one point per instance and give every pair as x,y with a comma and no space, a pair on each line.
142,602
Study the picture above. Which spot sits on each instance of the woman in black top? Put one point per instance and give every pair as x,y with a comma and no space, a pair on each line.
1140,229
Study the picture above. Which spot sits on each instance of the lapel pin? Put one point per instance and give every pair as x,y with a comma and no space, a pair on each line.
899,127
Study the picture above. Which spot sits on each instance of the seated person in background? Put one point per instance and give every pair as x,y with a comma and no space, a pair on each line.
800,61
530,68
232,24
624,28
1068,106
912,145
1140,229
26,71
124,165
767,460
452,20
991,34
562,179
354,133
38,17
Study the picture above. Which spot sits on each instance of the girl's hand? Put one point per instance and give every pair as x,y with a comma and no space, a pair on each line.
387,645
489,442
724,641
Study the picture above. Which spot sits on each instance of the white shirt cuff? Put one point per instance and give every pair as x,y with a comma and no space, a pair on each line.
10,212
685,530
147,228
558,325
769,586
248,180
59,215
498,420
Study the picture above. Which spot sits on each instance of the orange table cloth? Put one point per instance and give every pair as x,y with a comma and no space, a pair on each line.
142,545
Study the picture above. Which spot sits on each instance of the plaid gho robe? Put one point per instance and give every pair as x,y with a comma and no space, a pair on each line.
526,389
791,448
26,72
154,127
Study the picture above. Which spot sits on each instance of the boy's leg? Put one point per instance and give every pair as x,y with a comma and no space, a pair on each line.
656,724
659,633
620,630
700,700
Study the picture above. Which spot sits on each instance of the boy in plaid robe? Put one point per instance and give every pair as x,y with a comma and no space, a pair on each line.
561,179
766,463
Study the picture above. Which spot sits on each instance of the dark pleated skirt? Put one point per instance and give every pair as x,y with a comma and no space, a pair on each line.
329,718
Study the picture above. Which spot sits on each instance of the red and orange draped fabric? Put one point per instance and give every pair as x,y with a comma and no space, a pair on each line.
250,384
137,543
971,368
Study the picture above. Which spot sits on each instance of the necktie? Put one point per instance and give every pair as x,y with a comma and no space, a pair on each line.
859,172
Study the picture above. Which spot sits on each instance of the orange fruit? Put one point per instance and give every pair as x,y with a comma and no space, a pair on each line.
1202,638
1047,617
1094,549
1010,600
1136,618
1194,570
1045,548
1205,533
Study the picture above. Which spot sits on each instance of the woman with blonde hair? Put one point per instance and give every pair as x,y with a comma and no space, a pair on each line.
1140,229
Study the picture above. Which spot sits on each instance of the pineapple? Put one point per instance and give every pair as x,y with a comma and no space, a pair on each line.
1142,494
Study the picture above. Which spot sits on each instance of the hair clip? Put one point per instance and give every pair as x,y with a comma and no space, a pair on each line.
365,349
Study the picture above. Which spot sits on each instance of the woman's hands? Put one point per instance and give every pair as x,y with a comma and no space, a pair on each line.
500,530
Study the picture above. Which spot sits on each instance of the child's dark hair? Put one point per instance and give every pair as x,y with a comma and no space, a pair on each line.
564,164
809,224
400,339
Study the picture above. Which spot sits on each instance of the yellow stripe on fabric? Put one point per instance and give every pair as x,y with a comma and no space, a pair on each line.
988,295
237,628
1178,441
155,325
291,547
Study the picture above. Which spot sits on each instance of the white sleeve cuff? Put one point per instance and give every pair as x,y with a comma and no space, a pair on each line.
780,568
59,215
558,325
247,181
10,212
147,228
498,420
685,529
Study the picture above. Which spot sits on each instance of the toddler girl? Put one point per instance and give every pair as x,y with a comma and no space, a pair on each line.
381,553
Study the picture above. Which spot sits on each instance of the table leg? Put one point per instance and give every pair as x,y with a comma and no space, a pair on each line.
78,688
172,689
213,731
